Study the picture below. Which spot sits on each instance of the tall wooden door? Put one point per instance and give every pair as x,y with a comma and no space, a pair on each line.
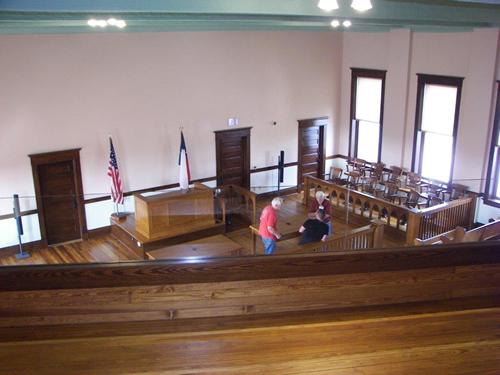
59,196
232,148
311,153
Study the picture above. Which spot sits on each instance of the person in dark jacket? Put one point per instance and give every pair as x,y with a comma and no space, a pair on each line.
314,230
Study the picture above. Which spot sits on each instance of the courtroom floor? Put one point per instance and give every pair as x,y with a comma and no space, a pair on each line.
106,249
441,343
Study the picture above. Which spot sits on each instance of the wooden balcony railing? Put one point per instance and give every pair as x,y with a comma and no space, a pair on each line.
401,221
482,233
442,218
367,237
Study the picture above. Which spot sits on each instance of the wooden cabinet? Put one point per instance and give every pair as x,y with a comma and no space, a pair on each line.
174,213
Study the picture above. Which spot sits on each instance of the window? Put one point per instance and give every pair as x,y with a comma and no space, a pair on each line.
367,111
436,120
492,192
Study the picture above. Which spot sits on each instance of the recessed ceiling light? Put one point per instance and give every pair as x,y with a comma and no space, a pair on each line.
103,23
347,23
361,5
120,24
92,22
328,5
335,23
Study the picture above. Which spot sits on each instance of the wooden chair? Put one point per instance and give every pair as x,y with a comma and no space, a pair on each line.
378,171
432,191
414,181
394,174
370,185
415,200
354,179
455,191
391,192
335,176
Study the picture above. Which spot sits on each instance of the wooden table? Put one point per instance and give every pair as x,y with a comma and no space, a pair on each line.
215,246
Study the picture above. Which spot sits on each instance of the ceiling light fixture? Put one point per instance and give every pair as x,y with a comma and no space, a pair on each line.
328,5
335,23
361,5
103,23
347,23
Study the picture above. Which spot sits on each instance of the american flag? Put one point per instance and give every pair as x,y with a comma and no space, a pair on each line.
114,173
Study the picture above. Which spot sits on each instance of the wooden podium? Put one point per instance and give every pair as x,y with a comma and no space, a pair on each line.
174,213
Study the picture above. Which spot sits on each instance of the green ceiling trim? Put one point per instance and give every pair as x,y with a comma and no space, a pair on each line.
63,16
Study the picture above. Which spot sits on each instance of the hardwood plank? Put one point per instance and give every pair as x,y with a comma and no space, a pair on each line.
445,343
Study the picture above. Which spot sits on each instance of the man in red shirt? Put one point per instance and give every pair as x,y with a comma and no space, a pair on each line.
267,227
321,203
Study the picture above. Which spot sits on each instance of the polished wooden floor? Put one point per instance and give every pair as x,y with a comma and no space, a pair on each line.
107,249
441,343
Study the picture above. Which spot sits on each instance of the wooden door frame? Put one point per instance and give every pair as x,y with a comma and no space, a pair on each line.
245,132
320,122
72,155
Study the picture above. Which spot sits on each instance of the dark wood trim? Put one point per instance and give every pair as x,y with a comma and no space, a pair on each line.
320,118
493,203
491,175
233,129
273,167
424,79
72,155
147,190
174,185
23,213
274,193
365,73
181,271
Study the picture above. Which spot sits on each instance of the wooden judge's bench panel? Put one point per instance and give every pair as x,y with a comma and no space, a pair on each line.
174,213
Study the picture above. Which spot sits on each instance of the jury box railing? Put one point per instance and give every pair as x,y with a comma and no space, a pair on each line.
408,223
367,237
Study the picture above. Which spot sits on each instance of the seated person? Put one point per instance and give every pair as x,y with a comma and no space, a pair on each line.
314,230
321,203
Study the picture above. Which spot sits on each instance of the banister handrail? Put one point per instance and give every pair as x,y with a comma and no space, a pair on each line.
374,229
444,206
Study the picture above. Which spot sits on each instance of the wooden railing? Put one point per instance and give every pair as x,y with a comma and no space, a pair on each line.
367,237
240,201
442,218
404,222
482,233
74,295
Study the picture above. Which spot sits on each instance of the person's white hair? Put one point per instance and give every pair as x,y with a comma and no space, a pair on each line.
320,195
277,202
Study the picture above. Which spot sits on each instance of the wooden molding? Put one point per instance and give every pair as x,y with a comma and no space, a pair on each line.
182,271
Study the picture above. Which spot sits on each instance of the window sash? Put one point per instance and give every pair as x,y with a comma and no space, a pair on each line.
438,109
368,140
436,159
368,99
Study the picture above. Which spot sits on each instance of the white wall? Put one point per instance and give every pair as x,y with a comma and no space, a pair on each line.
472,55
67,91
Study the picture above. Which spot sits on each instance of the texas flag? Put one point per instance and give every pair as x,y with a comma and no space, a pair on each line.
184,173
